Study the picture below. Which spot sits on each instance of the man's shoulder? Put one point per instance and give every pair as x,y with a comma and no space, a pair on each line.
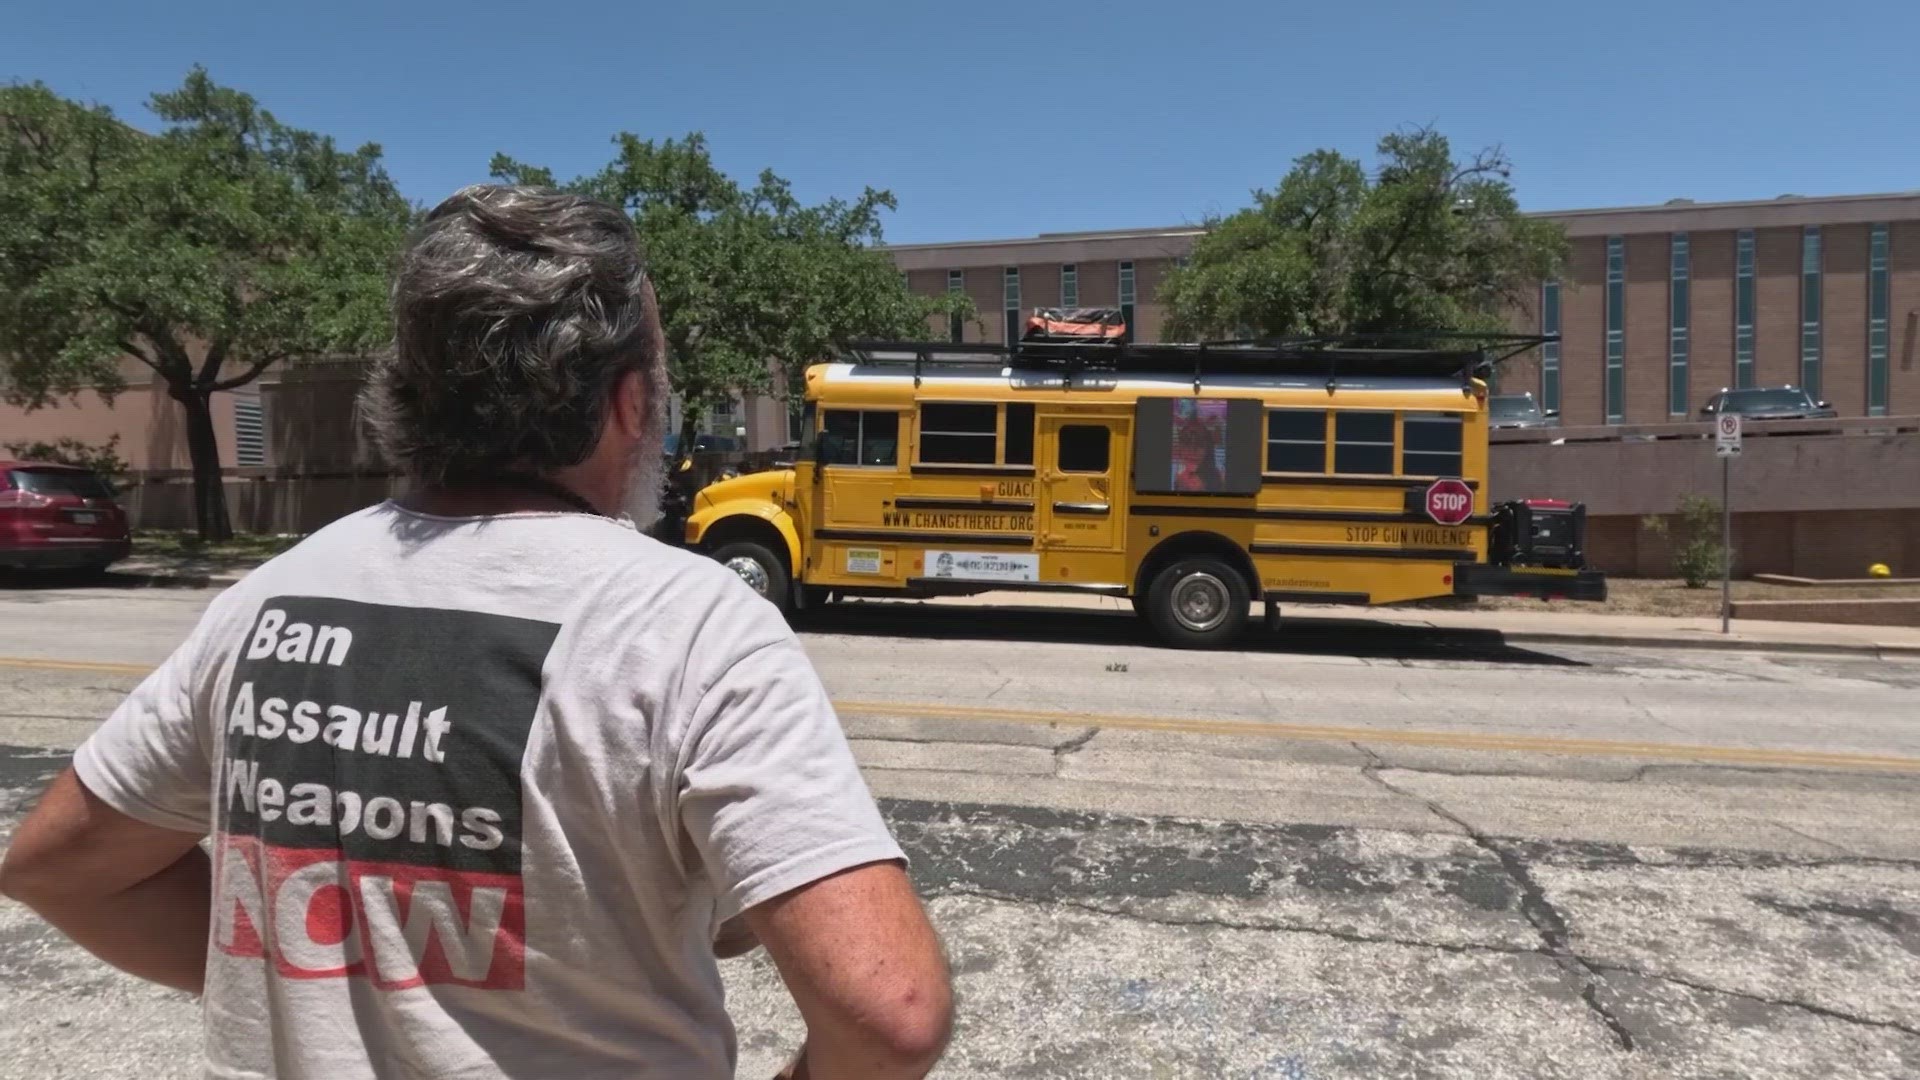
687,594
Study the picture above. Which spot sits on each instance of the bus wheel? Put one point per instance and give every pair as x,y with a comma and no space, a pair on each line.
1198,604
811,604
760,568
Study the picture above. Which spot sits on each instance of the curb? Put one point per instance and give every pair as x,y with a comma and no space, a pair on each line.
1648,641
137,579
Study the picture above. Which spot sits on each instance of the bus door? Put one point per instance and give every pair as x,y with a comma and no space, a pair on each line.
1080,503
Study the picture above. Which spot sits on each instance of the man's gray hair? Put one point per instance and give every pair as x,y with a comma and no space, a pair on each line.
516,312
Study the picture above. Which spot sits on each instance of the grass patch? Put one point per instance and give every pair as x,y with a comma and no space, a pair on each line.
184,546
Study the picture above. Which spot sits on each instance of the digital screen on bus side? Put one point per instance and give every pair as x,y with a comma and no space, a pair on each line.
1197,446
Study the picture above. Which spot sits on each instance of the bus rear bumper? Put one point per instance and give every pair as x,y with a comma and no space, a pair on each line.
1482,579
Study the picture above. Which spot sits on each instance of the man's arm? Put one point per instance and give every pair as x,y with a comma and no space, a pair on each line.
794,846
135,895
866,969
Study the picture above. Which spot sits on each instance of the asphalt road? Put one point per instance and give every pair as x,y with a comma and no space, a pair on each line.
1344,852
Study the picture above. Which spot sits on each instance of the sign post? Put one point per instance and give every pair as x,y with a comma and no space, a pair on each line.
1726,444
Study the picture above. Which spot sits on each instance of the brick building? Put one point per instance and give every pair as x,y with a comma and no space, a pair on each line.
1659,308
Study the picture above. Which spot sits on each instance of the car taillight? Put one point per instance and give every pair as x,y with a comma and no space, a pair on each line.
23,500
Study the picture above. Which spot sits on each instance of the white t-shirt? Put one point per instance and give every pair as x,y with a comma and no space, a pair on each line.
481,791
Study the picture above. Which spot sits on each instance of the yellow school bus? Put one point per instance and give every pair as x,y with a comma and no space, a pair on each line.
1191,478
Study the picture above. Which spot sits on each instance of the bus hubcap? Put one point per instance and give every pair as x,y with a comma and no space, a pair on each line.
1200,602
750,571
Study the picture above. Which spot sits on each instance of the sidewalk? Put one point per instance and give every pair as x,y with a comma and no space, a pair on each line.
1562,624
179,573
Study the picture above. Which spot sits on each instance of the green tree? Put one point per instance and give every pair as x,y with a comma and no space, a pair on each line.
1425,243
223,244
753,284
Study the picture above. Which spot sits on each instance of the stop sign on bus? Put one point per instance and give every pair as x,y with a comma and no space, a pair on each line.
1449,502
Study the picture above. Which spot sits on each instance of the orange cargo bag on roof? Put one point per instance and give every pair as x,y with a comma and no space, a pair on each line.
1075,324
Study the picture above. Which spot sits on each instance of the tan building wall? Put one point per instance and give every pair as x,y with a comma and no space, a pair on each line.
149,425
1710,332
1583,325
1904,271
1096,257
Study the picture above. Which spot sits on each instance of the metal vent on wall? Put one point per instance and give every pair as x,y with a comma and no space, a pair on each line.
249,430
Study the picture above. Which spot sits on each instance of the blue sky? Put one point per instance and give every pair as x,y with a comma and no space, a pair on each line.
992,119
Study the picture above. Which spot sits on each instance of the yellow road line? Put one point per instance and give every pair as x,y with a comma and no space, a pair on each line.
1261,729
34,664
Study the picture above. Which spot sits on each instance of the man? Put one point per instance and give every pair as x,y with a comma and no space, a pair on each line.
489,777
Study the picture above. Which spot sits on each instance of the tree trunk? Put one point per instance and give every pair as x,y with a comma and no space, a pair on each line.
203,449
689,431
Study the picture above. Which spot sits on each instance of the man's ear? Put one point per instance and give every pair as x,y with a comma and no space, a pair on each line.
630,405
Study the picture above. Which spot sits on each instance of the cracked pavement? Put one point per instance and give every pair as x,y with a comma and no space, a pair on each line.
1407,901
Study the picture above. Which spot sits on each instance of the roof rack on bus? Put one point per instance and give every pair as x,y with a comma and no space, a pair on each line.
1447,354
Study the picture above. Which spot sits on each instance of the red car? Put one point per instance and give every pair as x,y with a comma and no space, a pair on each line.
59,516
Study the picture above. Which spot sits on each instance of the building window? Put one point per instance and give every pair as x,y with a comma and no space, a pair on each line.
1297,441
1363,443
1877,337
1431,445
956,324
860,438
1616,371
1011,296
1126,298
1550,351
1678,316
1069,286
1810,311
1743,305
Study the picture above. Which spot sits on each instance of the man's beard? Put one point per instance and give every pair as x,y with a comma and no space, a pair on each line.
647,474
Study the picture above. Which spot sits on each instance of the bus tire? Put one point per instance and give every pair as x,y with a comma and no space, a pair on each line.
810,604
1198,603
762,571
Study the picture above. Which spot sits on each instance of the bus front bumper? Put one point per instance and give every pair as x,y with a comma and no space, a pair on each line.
1482,579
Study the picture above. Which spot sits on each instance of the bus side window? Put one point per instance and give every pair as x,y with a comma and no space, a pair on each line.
956,434
1084,449
1019,434
840,438
1363,443
849,437
1297,441
879,438
1431,445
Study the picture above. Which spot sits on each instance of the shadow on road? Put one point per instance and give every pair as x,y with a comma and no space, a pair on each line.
1298,635
31,580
